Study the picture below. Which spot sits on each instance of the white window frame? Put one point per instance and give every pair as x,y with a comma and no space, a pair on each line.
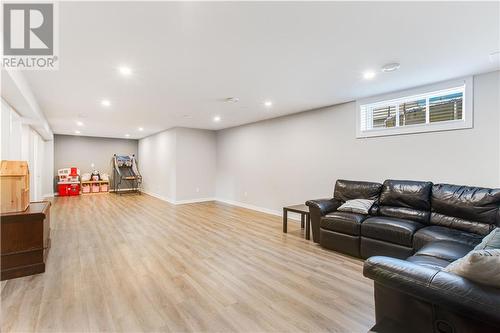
418,93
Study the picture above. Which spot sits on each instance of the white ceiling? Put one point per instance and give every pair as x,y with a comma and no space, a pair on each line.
188,56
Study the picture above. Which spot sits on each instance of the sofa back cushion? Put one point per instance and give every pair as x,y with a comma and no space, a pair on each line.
406,199
466,208
350,190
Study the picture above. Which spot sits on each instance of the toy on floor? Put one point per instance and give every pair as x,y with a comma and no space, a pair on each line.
126,173
68,181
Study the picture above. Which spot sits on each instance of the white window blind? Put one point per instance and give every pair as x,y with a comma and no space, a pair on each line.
430,109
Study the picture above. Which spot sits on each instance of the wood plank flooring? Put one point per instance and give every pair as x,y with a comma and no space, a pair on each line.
133,263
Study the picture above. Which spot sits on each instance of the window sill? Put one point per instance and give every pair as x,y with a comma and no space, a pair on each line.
415,129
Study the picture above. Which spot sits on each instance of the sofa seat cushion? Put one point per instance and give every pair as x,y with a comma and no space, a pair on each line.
343,222
445,250
434,233
389,229
427,261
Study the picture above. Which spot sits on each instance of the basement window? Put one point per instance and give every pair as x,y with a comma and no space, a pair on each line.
439,107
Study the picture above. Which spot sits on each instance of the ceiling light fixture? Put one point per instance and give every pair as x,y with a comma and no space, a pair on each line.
77,132
368,75
387,68
268,104
217,119
127,135
105,103
125,71
79,123
141,129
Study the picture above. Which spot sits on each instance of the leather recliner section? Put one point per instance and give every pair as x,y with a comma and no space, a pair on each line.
405,217
347,223
434,232
372,247
406,199
470,209
340,242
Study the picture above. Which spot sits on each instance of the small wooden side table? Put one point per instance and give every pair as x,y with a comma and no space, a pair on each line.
303,210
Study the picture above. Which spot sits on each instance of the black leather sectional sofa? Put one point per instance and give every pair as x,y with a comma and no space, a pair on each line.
411,233
406,216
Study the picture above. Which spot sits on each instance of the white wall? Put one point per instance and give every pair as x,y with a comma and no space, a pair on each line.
48,168
90,153
12,133
157,164
196,164
178,165
28,129
21,142
288,160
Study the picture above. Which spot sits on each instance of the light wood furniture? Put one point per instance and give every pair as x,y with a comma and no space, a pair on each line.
14,186
92,182
139,264
25,241
303,210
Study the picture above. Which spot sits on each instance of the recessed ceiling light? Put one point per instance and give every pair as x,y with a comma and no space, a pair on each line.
368,75
124,70
217,119
141,129
105,103
77,132
390,67
127,135
268,104
79,123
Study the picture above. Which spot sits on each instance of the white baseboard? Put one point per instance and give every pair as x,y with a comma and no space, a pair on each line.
181,202
177,202
50,195
158,196
291,216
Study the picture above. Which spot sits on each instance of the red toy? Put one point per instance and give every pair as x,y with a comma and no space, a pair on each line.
69,182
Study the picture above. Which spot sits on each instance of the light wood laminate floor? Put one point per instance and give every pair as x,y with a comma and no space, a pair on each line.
135,263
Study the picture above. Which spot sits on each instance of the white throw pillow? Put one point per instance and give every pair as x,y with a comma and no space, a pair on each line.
482,266
490,241
361,206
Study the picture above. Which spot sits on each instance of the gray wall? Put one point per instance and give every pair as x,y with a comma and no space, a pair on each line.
82,151
196,164
291,159
179,164
159,164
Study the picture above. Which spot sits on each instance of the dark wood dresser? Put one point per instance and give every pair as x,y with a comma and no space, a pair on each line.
25,241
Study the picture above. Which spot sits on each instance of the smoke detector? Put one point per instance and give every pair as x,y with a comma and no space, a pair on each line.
391,67
231,100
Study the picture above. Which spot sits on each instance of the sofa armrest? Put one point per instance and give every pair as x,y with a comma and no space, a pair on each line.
318,208
324,206
435,286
